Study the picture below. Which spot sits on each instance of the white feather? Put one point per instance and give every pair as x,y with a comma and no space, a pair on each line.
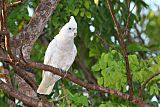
60,53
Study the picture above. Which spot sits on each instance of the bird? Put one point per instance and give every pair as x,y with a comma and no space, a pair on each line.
60,53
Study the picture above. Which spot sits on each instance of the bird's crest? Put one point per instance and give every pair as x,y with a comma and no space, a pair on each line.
71,24
73,21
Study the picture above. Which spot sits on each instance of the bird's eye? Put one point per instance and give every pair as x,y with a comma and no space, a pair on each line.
69,28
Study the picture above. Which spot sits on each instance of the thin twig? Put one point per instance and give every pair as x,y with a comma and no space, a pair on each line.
128,19
14,4
114,19
104,42
7,46
59,98
129,75
145,83
139,34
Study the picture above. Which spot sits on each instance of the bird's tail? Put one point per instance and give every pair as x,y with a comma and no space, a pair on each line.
44,88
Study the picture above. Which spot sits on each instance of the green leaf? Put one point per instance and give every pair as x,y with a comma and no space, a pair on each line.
93,52
107,80
86,4
108,104
83,100
154,89
76,99
103,61
88,14
62,105
76,11
100,81
133,61
103,105
145,4
95,67
154,104
135,47
3,103
73,105
155,67
82,13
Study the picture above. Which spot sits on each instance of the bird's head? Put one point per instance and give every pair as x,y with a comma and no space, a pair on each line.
70,28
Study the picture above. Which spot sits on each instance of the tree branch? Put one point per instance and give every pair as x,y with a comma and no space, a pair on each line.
85,84
75,80
3,32
9,52
23,74
25,99
79,82
33,30
26,39
8,80
145,83
129,75
30,80
128,18
139,34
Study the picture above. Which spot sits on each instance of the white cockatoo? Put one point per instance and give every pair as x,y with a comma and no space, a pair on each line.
60,53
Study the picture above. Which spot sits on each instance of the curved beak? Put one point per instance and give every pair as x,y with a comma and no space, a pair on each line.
75,34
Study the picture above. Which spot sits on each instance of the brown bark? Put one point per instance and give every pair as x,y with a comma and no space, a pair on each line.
36,25
25,99
24,41
125,55
30,34
8,80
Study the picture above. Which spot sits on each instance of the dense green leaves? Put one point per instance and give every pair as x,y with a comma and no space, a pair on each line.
75,100
111,67
16,21
135,47
154,23
111,74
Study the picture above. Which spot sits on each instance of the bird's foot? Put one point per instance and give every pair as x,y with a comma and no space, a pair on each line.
63,71
65,74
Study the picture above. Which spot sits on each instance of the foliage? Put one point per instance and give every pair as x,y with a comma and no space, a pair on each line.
98,50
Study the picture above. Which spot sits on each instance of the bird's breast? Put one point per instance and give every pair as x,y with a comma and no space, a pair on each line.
63,59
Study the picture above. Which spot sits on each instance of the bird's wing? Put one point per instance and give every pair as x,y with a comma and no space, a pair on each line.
75,50
49,53
71,60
